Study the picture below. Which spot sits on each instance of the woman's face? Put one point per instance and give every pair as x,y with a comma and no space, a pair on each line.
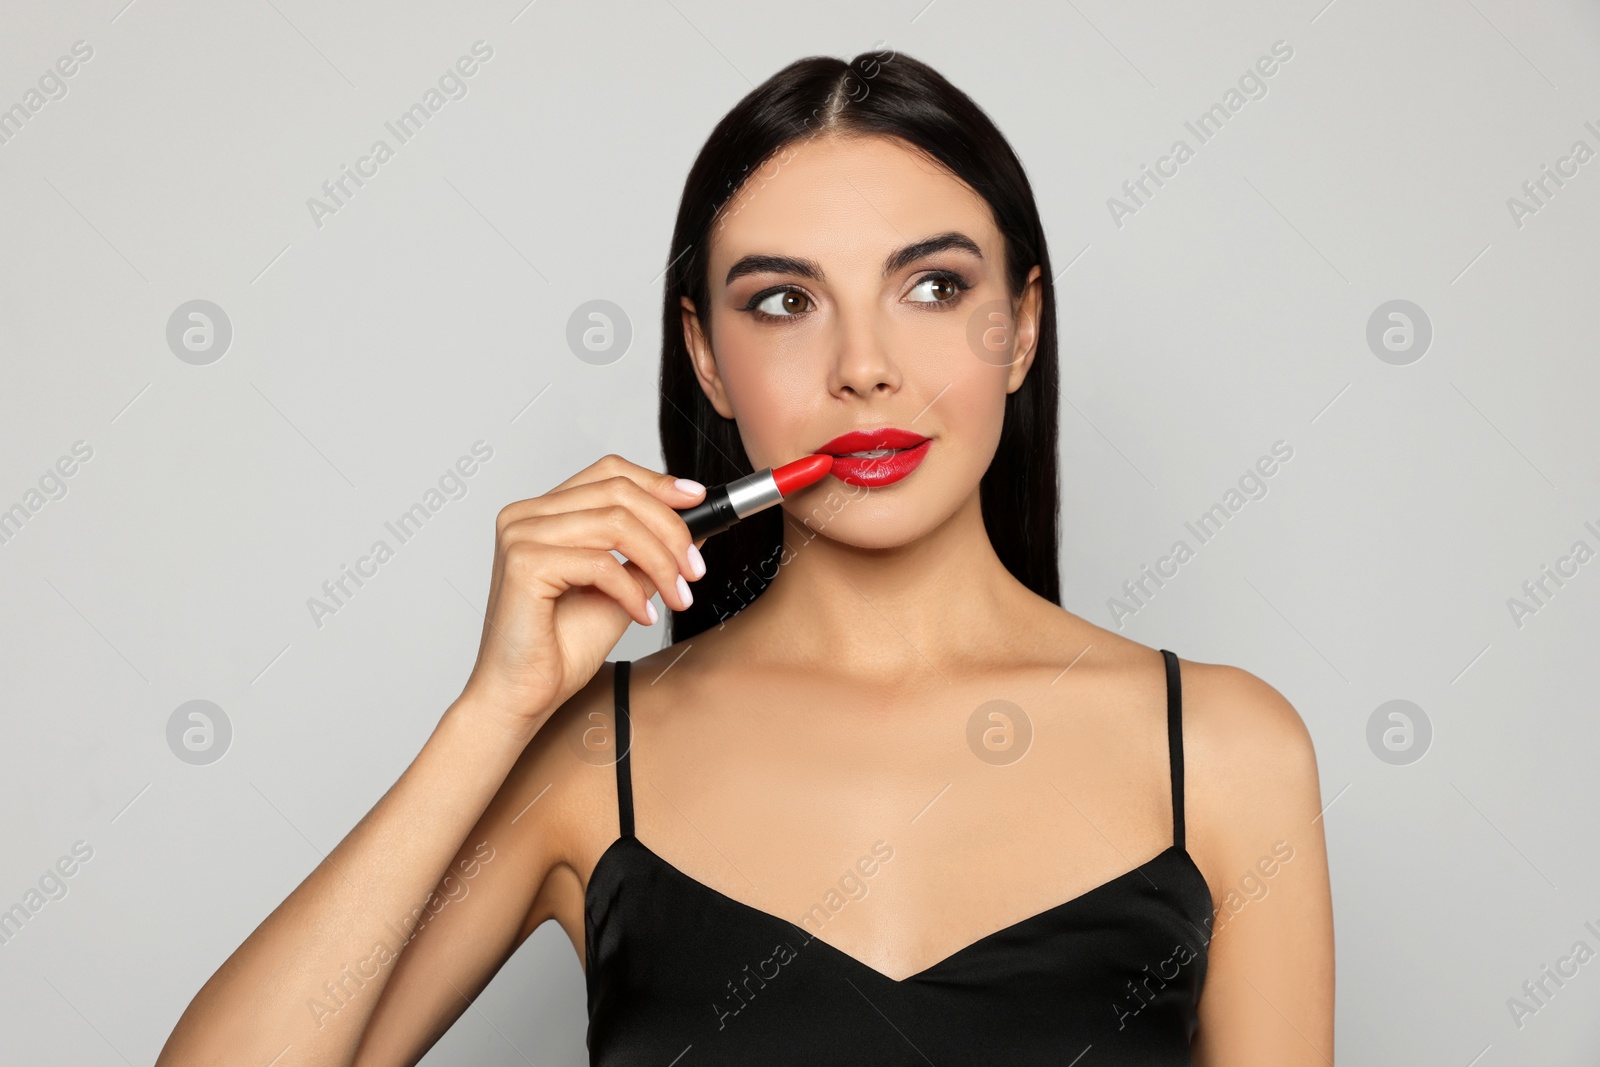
856,285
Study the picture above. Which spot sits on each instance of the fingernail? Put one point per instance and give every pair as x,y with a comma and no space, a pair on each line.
683,592
697,562
688,487
650,610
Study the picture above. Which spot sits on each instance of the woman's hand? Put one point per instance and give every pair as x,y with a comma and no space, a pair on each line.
559,600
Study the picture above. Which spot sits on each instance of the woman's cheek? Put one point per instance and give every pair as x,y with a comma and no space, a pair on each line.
774,410
972,410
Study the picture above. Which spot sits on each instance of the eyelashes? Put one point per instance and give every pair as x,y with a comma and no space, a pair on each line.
949,277
753,306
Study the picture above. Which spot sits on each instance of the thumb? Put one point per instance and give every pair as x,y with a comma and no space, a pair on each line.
686,490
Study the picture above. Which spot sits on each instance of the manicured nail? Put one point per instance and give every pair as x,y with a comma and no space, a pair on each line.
697,563
688,487
683,592
650,610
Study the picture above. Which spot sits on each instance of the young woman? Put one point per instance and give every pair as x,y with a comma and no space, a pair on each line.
883,800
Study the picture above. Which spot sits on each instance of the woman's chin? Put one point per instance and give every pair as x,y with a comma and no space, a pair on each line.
882,528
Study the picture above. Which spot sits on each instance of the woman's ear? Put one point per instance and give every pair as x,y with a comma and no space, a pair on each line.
705,364
1027,331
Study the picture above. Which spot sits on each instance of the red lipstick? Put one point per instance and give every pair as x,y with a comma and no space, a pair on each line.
876,457
725,505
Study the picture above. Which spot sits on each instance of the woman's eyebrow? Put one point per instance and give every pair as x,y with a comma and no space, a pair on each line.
765,264
942,242
810,268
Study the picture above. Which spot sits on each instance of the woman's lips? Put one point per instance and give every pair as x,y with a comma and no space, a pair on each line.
884,470
896,453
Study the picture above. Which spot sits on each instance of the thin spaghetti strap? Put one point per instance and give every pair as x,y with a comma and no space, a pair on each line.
1175,744
624,777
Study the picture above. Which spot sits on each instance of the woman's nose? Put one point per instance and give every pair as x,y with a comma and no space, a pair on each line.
863,364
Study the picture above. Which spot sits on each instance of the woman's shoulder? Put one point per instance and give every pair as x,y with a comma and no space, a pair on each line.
1230,716
564,782
1252,789
1235,723
1250,766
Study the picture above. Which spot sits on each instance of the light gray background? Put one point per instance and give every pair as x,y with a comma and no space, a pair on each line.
431,311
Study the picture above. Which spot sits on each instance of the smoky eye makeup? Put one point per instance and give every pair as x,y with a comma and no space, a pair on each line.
774,297
936,288
951,278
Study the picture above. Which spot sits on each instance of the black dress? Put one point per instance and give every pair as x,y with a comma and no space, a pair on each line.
681,975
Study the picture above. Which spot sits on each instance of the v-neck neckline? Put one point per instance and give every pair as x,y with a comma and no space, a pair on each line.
926,972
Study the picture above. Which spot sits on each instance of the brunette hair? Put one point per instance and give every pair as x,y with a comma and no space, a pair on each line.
876,93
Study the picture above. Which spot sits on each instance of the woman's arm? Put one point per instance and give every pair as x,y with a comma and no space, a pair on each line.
308,979
1254,814
264,1001
508,878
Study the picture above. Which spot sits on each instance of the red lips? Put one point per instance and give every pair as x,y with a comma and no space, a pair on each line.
909,449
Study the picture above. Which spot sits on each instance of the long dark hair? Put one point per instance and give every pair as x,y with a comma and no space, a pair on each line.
874,93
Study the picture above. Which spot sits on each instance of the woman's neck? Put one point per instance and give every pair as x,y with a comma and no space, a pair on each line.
895,612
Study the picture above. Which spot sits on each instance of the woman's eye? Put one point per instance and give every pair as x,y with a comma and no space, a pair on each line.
937,289
783,303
